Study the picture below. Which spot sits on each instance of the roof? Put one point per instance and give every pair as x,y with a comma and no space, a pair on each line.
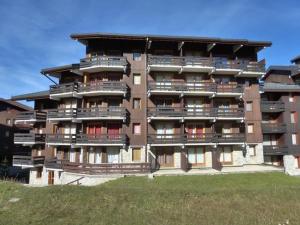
84,37
57,70
279,87
286,70
32,96
16,104
297,58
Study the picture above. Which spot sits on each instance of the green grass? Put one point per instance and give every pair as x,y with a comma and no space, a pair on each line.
269,198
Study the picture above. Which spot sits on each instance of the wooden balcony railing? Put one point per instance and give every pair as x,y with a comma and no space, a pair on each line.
103,86
196,138
272,106
29,138
229,112
21,160
166,139
31,116
190,112
230,88
106,61
99,139
102,168
181,86
218,63
230,137
275,128
65,113
275,150
60,138
63,88
103,112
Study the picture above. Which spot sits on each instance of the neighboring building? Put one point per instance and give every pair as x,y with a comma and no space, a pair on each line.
141,102
8,112
280,113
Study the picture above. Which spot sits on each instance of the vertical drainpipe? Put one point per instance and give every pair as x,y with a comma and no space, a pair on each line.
146,102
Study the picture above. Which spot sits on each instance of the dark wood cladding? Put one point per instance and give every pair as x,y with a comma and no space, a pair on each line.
28,161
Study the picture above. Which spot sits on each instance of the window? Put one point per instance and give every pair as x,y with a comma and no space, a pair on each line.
294,139
250,128
251,150
8,121
291,98
297,159
39,172
136,78
293,117
196,155
226,155
137,103
137,128
137,56
136,154
7,133
249,106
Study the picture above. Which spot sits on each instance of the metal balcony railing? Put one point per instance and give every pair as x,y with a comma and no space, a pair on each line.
272,106
60,139
65,113
275,150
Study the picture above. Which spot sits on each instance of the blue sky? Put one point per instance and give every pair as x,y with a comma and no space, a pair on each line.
36,34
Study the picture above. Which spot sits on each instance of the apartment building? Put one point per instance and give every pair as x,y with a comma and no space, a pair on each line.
8,112
280,109
144,103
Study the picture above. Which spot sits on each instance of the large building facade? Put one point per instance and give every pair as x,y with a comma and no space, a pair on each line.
144,103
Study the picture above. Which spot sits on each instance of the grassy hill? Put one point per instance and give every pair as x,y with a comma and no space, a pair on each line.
269,198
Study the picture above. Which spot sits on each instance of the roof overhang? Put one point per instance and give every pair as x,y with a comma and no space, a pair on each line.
238,43
32,96
58,70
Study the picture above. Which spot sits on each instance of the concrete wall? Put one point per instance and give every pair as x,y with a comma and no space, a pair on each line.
290,165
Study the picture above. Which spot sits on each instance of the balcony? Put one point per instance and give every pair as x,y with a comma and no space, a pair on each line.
166,139
200,139
230,114
230,138
273,128
181,88
103,63
98,169
60,139
165,63
101,139
64,91
275,150
30,117
115,88
195,113
196,139
29,138
107,113
229,90
28,161
222,66
66,114
272,106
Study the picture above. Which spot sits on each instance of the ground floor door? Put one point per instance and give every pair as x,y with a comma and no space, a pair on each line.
165,157
50,177
196,156
277,160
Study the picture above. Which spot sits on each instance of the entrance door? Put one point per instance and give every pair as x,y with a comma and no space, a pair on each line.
165,157
195,130
196,156
113,155
113,130
50,177
194,105
164,81
164,130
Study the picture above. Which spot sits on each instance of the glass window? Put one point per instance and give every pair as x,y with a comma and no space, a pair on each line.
8,121
293,117
294,139
136,78
137,56
291,98
136,128
137,103
249,106
226,155
250,128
